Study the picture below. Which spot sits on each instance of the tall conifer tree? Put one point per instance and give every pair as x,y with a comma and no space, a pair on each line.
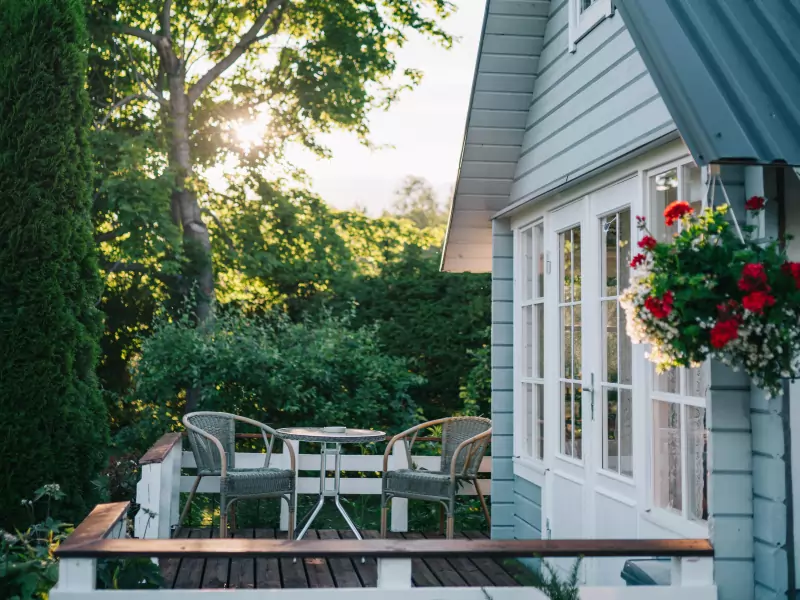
53,424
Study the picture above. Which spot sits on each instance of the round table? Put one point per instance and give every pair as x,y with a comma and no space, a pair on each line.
330,445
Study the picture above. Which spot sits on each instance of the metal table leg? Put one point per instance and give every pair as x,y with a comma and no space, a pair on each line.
326,449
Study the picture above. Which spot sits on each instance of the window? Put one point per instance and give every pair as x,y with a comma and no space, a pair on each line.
680,439
585,15
531,318
617,379
569,308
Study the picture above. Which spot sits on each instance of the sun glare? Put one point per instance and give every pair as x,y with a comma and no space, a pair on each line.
250,134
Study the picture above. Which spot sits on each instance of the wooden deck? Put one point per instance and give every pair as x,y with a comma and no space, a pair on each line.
243,573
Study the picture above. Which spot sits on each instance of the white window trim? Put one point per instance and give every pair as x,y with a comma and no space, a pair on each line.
581,23
519,412
663,517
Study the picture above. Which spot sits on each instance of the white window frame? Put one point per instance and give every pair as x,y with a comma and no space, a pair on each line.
680,523
582,22
521,424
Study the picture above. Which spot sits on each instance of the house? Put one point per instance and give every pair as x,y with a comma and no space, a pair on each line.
585,114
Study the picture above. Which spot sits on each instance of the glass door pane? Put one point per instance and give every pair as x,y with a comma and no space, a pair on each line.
570,341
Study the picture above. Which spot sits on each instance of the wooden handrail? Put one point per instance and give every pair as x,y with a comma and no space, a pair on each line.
159,451
391,548
97,525
88,541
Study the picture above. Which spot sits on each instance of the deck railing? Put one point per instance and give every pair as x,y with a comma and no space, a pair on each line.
101,536
158,490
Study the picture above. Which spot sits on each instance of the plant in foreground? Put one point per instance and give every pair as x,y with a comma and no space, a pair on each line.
550,581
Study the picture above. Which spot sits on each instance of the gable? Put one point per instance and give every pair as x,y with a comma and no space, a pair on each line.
729,71
565,111
511,42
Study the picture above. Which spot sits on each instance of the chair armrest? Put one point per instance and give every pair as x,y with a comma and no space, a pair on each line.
264,430
461,446
405,434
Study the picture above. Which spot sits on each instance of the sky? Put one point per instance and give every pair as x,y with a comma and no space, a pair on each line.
425,128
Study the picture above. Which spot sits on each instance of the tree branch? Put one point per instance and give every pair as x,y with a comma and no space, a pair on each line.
158,96
110,235
140,33
119,104
122,267
166,17
247,40
222,233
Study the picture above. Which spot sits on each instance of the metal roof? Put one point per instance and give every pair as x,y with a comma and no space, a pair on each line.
729,72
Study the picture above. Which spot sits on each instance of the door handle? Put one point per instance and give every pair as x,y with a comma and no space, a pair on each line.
590,389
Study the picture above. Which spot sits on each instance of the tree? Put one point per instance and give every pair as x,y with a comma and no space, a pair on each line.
416,201
53,425
204,66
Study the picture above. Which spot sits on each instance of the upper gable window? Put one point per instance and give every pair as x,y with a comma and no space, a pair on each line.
584,15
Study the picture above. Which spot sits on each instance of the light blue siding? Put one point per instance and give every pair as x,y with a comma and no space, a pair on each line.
502,381
730,489
527,510
588,108
769,481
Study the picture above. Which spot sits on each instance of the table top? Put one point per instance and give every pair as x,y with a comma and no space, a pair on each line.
318,434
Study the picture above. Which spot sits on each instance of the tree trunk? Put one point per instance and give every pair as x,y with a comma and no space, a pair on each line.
185,208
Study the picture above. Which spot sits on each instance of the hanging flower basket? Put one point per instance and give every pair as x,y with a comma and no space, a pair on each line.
709,293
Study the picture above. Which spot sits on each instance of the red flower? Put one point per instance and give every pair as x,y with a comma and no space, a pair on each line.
723,332
727,309
648,242
792,269
757,301
755,203
640,221
638,260
676,210
660,308
754,277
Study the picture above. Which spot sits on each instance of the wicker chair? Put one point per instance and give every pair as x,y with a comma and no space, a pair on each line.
212,439
464,443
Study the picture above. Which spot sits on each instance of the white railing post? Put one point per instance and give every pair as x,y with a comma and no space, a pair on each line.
394,573
692,571
399,512
284,460
173,482
146,524
75,575
158,495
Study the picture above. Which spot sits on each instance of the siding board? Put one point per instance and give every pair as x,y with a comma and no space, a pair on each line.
504,63
519,7
515,25
527,510
523,45
502,82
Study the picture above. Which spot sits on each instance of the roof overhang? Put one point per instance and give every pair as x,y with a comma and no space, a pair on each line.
729,73
505,70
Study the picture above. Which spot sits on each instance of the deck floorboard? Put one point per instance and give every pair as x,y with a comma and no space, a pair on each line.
264,573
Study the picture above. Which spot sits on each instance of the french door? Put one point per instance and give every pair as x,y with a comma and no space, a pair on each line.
591,366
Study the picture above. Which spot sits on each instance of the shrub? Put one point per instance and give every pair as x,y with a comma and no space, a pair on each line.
316,372
52,420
